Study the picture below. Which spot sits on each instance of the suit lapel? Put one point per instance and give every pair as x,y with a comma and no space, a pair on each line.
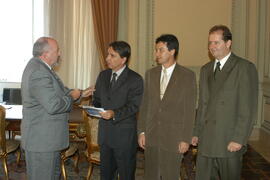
155,79
210,75
121,79
174,80
228,66
107,80
51,71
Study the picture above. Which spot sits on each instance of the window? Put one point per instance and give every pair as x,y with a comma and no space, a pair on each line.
22,22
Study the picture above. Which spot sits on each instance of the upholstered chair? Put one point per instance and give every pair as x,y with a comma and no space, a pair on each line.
92,151
7,146
71,151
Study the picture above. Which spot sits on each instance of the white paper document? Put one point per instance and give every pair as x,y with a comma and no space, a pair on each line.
93,111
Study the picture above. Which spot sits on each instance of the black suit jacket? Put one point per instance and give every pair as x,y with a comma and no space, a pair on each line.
124,99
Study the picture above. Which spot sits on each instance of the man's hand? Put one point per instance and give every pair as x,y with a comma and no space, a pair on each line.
233,146
108,114
88,91
194,140
141,140
183,147
75,94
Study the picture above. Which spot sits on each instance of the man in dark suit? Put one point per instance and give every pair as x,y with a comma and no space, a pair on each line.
46,106
227,109
119,91
167,112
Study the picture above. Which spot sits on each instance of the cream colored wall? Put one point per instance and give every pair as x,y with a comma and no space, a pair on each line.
190,22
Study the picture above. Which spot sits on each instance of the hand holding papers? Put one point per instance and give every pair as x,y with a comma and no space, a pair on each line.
107,115
93,111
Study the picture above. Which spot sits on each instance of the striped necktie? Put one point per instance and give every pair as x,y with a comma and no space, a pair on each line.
113,81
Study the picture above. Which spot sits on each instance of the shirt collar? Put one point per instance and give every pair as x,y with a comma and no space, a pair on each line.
46,64
222,61
119,71
170,69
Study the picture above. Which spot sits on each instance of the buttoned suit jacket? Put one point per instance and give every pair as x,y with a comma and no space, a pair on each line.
169,121
124,99
46,107
227,110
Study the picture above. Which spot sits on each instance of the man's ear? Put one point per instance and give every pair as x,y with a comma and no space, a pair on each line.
124,60
172,52
229,44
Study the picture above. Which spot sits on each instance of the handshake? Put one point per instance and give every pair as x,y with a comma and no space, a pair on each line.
77,93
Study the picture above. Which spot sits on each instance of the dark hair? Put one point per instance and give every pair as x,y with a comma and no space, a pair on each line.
226,33
40,46
122,48
171,42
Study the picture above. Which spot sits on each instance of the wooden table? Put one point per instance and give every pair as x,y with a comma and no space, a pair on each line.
14,117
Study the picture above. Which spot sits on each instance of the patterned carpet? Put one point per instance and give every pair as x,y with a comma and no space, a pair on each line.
255,167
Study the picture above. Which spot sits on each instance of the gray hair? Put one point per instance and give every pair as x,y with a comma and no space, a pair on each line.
41,46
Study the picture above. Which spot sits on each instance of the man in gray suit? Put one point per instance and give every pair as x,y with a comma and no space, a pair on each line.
46,106
227,109
167,112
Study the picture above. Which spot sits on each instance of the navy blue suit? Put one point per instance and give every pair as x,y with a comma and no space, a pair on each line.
117,137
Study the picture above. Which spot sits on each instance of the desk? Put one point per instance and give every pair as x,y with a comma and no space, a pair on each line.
14,117
13,112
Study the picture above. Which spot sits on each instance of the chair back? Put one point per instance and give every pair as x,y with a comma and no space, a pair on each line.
2,130
91,129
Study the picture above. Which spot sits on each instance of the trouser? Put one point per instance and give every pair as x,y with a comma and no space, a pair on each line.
43,165
208,168
161,164
122,160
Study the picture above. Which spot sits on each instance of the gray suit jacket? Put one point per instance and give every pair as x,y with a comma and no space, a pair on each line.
46,106
228,108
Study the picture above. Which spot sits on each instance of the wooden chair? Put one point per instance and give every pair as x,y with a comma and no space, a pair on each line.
71,151
92,151
7,146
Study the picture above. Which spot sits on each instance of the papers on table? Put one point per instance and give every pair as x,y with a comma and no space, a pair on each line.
13,111
93,111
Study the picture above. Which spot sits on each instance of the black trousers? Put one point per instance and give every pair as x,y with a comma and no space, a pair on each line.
208,168
115,161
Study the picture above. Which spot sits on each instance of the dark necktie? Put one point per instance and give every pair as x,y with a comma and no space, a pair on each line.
217,70
113,81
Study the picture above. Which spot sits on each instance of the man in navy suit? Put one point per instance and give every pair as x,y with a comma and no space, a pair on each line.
119,91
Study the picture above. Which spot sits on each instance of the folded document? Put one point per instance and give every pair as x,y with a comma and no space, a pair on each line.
93,111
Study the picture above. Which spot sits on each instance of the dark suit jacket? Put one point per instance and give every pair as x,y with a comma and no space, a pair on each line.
227,112
46,107
124,99
169,121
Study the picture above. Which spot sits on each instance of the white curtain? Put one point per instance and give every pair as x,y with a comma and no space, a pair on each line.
70,23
